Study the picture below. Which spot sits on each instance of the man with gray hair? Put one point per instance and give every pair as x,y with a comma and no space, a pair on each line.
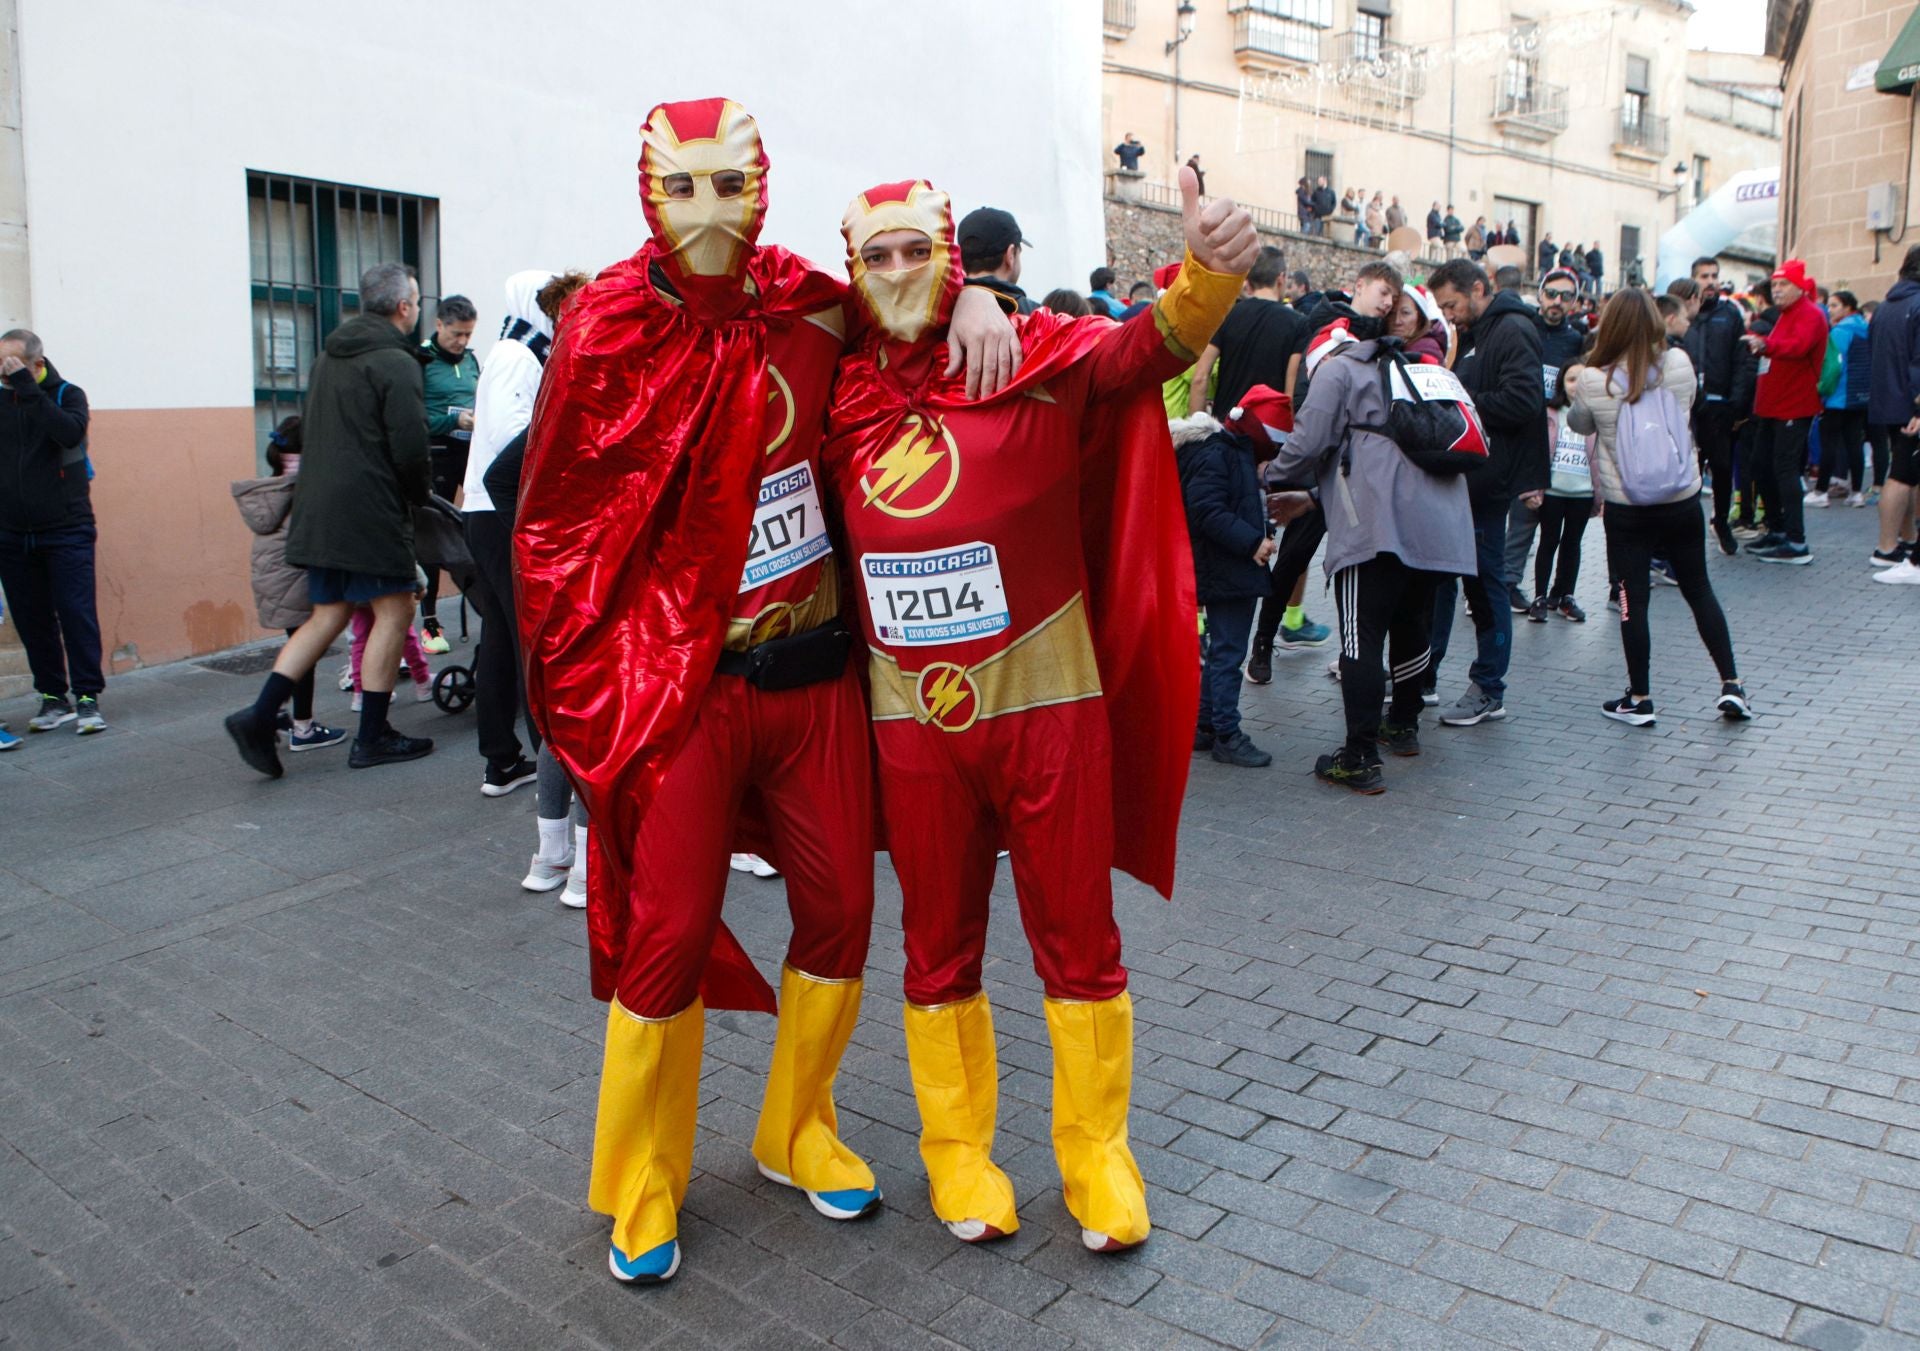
47,533
364,467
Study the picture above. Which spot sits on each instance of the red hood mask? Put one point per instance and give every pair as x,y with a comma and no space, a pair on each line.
914,301
705,239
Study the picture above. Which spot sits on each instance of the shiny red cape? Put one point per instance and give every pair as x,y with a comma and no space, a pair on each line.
1140,590
635,507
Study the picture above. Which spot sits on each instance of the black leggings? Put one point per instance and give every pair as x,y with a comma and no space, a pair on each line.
1713,434
1843,436
1563,520
302,691
1676,532
1383,604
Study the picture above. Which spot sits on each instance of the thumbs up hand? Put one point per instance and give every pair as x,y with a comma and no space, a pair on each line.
1220,236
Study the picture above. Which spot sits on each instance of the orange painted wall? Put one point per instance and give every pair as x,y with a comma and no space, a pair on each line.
173,570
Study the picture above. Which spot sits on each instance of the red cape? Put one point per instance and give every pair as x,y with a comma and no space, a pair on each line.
635,507
1140,591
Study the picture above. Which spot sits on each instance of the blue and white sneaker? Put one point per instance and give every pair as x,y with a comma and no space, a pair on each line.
315,738
853,1203
8,741
652,1267
1308,634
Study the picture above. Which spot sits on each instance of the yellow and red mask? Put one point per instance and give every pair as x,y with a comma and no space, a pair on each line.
703,180
911,301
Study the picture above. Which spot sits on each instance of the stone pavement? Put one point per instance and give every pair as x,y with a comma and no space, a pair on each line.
1581,1036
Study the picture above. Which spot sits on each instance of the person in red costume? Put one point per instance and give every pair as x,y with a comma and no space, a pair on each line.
686,660
1026,585
1786,400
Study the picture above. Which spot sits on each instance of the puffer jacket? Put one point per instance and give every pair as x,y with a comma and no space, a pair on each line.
1596,413
279,588
1226,511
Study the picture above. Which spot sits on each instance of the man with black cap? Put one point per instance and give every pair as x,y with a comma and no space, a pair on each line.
990,244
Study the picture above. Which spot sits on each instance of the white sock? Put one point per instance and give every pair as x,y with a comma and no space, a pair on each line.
580,851
553,841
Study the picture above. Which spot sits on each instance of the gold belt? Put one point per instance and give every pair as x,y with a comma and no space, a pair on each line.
782,618
1052,663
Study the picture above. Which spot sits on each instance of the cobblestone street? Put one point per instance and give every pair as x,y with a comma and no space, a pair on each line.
1581,1036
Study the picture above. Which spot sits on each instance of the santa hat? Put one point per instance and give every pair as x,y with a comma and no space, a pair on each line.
1264,415
1327,341
1794,270
1163,275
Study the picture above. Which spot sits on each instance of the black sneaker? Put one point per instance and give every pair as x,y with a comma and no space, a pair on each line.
1723,533
1570,612
1238,750
1202,739
1397,740
1348,770
1429,696
1771,540
1538,611
392,748
503,779
1627,709
1788,552
1260,664
1732,702
1521,605
258,747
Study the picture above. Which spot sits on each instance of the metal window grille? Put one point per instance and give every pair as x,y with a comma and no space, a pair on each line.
308,244
1319,166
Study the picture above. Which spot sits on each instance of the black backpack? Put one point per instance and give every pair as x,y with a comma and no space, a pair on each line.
1430,415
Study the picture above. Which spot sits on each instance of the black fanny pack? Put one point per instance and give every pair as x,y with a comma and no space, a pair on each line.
791,662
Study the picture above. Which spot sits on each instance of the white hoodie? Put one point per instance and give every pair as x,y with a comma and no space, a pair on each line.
509,383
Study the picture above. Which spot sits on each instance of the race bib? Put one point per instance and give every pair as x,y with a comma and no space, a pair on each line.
941,596
1551,375
1570,454
788,530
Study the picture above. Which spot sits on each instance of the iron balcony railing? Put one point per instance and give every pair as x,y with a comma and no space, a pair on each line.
1375,70
1532,104
1643,131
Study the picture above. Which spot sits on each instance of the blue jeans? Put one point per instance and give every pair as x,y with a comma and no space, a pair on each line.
48,579
1487,596
1229,627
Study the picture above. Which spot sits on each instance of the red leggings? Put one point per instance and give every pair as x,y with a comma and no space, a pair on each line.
806,752
1042,781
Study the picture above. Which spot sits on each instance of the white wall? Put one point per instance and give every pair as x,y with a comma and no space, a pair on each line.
142,116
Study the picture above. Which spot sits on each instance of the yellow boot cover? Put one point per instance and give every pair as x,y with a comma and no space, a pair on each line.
643,1136
1092,1083
799,1133
956,1080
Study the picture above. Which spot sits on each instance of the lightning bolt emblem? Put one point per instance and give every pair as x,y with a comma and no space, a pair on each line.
946,693
904,464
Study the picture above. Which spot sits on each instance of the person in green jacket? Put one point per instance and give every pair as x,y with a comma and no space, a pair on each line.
363,469
452,373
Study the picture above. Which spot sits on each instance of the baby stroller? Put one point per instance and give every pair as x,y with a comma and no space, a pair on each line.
440,541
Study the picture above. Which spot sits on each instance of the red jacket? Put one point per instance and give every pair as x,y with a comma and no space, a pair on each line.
1790,363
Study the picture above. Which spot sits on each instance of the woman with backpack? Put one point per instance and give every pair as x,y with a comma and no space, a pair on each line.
1632,399
1845,377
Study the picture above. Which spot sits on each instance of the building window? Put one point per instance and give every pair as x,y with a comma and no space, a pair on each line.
1635,106
1319,165
1629,250
1291,29
308,243
1369,36
1523,214
1699,179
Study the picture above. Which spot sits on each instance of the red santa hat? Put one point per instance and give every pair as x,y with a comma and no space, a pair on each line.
1264,415
1328,341
1163,275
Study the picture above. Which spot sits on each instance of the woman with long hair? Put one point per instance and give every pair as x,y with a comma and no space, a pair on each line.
1631,361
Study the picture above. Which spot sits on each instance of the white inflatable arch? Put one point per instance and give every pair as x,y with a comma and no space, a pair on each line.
1742,202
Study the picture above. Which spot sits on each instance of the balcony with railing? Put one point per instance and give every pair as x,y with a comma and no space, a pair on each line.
1530,109
1373,70
1266,41
1641,135
1120,19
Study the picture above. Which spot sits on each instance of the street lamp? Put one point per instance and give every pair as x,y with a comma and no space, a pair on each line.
1183,15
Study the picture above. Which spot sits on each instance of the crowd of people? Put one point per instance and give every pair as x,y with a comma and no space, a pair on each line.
774,568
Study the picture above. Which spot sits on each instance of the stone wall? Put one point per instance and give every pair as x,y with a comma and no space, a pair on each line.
1142,236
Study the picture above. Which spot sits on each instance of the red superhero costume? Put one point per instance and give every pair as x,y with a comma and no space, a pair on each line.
669,537
1025,581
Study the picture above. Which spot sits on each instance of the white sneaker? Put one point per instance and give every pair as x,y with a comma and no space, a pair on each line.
575,895
752,863
1857,500
356,702
346,675
423,691
1902,574
1817,498
544,876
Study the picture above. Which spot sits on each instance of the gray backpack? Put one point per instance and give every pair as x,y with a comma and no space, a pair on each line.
1652,444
